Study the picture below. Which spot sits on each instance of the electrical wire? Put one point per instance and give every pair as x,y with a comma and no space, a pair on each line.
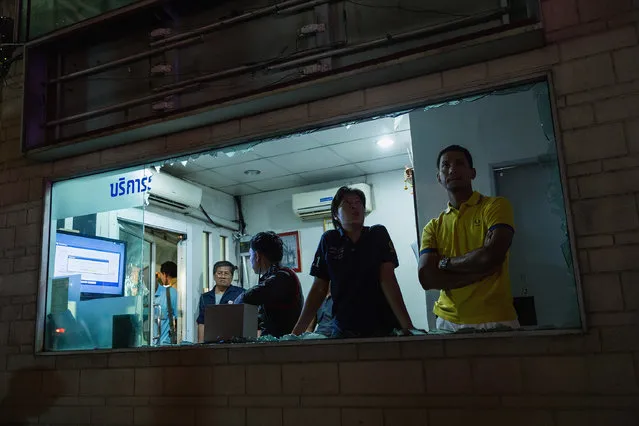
282,79
240,213
208,217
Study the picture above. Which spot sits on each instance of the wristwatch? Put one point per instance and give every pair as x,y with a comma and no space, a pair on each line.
443,263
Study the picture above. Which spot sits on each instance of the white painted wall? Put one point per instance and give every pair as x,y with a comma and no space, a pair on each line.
393,208
495,129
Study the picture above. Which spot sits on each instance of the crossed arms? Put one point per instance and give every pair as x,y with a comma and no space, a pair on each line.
468,268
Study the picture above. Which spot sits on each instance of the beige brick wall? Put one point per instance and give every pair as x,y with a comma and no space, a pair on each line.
590,379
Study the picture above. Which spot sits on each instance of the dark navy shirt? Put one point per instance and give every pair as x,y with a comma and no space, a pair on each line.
279,298
360,308
208,298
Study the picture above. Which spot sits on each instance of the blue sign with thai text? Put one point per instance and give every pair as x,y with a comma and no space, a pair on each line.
131,186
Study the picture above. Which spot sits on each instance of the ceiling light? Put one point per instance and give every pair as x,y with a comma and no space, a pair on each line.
252,172
184,162
157,168
385,142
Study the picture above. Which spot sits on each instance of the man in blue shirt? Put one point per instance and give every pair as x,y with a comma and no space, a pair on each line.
358,262
223,292
166,299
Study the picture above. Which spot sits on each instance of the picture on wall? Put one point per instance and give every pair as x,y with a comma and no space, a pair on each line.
328,224
292,254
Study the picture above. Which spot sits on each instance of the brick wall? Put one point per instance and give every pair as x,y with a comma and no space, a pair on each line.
586,379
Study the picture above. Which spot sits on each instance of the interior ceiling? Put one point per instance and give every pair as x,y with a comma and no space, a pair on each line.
338,153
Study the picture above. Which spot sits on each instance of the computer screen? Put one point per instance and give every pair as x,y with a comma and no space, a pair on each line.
99,261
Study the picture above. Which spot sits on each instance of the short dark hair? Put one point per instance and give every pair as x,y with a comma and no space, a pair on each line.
169,268
456,148
222,263
339,197
269,244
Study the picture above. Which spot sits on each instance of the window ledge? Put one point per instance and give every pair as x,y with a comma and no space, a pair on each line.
333,342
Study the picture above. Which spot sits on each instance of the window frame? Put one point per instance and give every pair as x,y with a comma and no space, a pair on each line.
23,20
224,247
481,87
207,256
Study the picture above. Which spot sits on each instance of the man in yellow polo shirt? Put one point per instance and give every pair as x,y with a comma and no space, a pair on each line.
464,251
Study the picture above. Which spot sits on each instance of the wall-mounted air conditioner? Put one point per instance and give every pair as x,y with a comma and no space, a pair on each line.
175,194
317,204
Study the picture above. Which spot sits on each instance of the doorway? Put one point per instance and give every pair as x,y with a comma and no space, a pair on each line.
165,246
145,258
541,271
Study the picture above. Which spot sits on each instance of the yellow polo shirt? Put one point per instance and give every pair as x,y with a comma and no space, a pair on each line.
455,233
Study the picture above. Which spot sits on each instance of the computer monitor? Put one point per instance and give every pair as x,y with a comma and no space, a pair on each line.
99,261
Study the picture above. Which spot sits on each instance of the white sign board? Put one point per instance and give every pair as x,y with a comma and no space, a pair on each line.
100,193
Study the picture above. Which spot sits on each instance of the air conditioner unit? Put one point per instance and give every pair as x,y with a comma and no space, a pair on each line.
317,204
175,194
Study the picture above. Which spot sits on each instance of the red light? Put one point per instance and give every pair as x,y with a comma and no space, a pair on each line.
60,330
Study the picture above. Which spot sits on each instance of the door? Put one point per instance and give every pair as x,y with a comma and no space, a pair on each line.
540,260
164,246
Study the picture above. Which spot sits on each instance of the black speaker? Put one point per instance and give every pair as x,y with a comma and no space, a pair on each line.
124,328
526,312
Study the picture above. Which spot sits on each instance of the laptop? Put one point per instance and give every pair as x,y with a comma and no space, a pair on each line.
223,322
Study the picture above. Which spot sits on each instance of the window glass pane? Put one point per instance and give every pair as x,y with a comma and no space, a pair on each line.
98,278
510,136
48,15
86,224
206,208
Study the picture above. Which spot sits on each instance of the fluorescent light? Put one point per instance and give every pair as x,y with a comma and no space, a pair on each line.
385,142
252,172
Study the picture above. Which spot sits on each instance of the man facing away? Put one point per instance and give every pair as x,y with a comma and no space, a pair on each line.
464,251
223,293
166,299
358,262
278,293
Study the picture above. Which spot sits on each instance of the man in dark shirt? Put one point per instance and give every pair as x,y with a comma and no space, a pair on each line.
359,264
278,293
223,292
